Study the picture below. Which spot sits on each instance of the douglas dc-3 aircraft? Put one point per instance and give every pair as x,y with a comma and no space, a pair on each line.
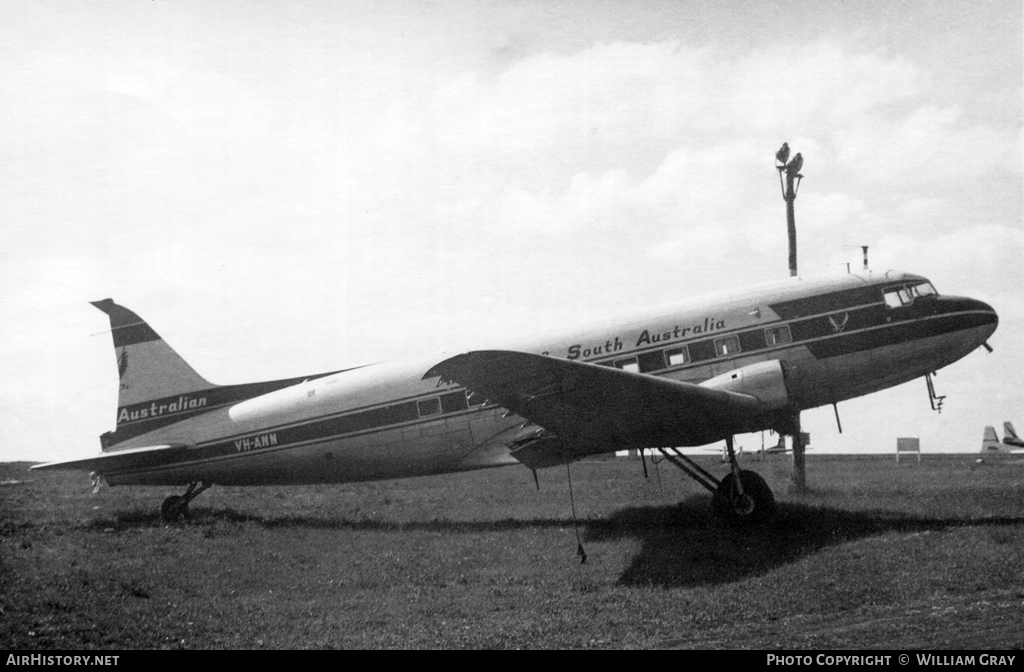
683,375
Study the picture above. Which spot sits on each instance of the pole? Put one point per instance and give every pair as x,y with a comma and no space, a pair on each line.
799,463
791,222
792,170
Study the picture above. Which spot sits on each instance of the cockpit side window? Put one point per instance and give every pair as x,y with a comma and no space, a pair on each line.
895,297
904,295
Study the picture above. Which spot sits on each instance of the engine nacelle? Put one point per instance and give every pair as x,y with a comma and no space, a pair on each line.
764,380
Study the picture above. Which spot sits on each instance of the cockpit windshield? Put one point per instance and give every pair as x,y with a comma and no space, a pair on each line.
923,289
904,295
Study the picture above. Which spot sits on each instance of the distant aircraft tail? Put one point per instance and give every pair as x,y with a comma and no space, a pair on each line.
990,442
155,382
1010,436
780,447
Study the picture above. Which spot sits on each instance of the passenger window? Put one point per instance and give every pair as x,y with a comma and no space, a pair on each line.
628,364
727,346
651,361
778,335
430,406
677,356
454,401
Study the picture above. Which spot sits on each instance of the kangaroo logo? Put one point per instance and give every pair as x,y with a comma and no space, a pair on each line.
122,362
122,368
839,326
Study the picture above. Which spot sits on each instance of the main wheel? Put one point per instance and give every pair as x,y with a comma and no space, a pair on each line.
755,506
173,510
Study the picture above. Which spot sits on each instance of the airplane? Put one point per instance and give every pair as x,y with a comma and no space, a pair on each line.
688,374
1011,442
1010,437
781,447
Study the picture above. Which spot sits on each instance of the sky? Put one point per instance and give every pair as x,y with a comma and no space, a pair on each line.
281,189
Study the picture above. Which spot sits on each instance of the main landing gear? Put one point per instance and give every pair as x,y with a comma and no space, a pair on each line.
741,498
175,507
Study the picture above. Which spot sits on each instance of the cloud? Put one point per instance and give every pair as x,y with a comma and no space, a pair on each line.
631,94
925,145
648,135
973,260
814,86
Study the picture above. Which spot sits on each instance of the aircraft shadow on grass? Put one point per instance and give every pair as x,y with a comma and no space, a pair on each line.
680,547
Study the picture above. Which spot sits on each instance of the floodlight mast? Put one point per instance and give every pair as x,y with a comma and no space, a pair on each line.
789,190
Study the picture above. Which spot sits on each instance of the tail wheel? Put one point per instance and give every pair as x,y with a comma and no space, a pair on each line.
174,509
755,506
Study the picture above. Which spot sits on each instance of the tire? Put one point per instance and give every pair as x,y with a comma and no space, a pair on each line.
172,510
755,507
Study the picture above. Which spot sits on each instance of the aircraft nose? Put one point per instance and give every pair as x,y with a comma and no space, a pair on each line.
986,312
990,313
974,314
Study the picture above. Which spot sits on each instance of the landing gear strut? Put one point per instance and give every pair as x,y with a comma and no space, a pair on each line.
175,507
741,498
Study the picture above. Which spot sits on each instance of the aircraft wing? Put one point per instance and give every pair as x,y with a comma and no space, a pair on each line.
134,458
588,409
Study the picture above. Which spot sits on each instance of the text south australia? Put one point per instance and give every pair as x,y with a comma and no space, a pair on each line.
646,337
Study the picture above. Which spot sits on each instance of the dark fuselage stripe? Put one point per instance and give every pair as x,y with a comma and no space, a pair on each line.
897,332
284,437
839,324
137,419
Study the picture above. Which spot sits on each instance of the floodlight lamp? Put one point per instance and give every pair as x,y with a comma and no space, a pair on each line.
795,165
783,154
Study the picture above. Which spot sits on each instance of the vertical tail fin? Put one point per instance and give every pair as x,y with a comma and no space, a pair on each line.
149,369
990,442
1010,436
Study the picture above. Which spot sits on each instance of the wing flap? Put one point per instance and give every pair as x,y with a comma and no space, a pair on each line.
134,458
550,451
592,409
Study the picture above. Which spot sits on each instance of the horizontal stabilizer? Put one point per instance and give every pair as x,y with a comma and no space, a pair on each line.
134,458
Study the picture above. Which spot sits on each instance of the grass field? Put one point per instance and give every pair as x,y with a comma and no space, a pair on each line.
877,555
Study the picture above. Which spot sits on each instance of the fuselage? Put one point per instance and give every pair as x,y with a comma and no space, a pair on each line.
836,339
